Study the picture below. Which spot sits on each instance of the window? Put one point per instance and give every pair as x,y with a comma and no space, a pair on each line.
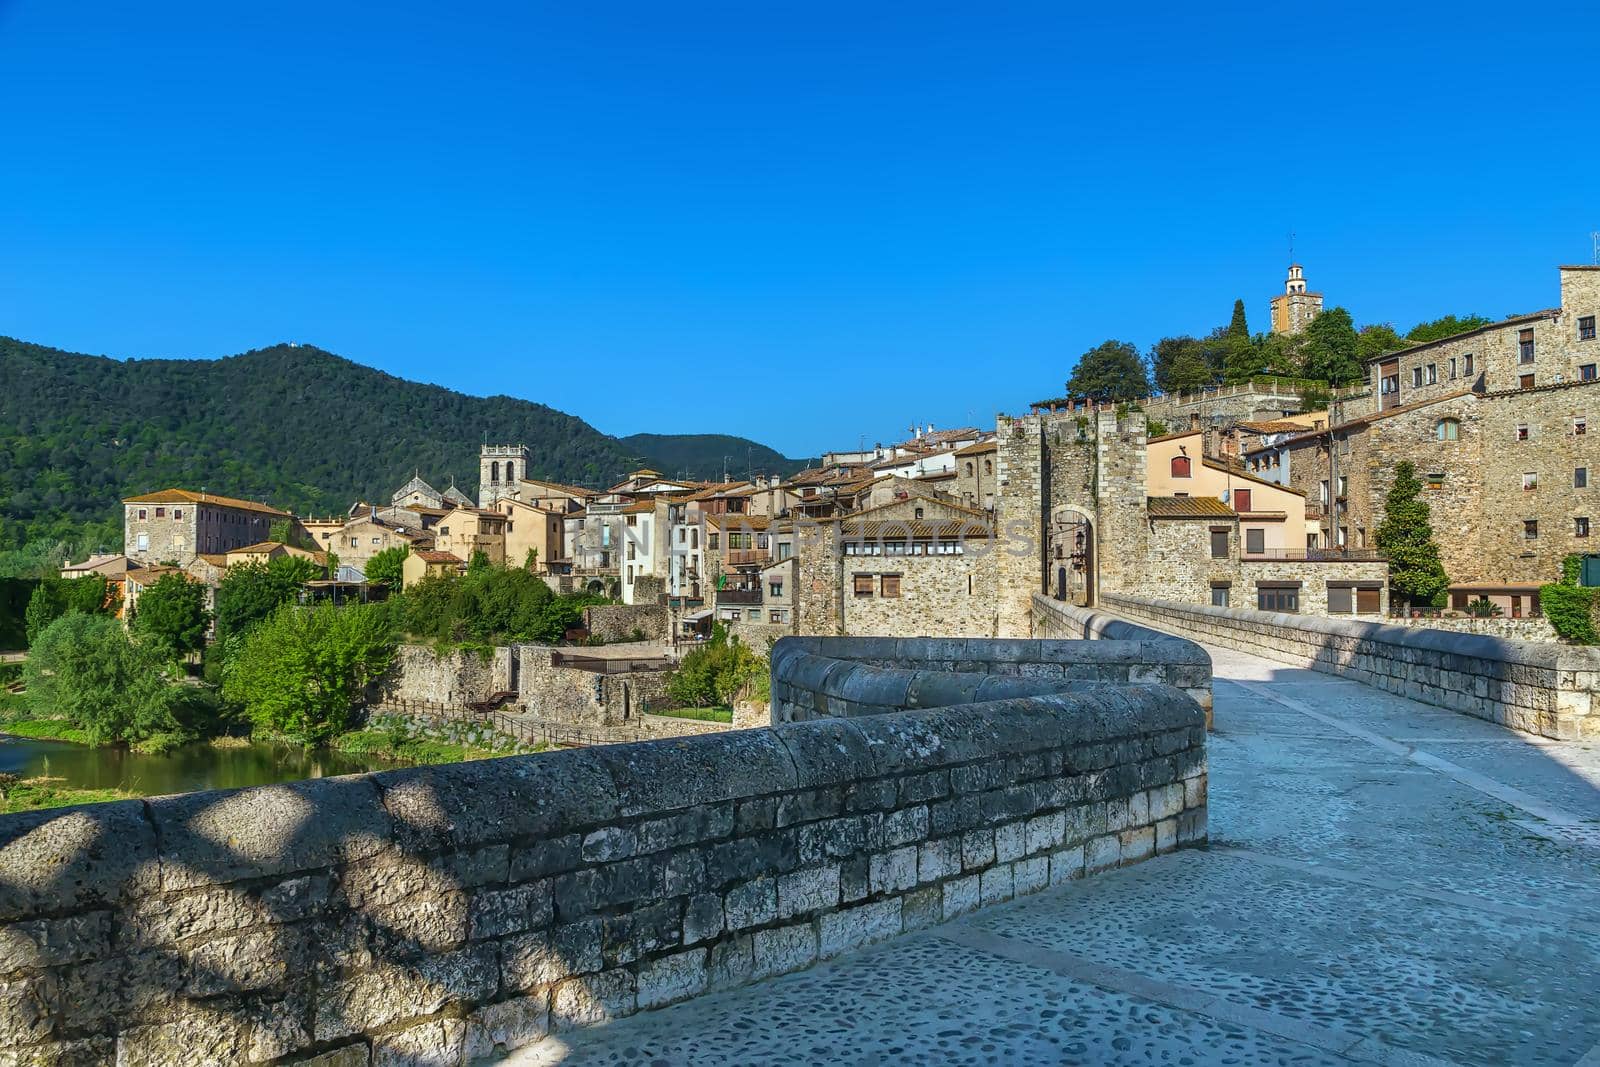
1452,368
1219,594
376,541
889,585
775,587
1219,542
1530,529
917,514
1580,526
1586,328
1525,381
161,513
1182,466
1466,365
988,466
970,468
1433,374
713,540
144,542
1525,345
630,571
1580,427
1341,599
1447,429
774,616
1416,377
1324,493
633,520
177,513
605,535
1241,500
1283,597
1435,481
1255,541
863,585
1587,372
631,553
1580,478
142,513
694,537
1344,486
1530,480
1522,431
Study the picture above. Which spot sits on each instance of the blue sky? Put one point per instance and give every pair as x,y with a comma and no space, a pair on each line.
805,223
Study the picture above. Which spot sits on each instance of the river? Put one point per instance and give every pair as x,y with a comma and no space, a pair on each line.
183,770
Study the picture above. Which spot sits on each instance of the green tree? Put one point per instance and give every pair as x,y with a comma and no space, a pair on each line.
478,562
1179,365
1238,329
1111,370
84,668
1377,340
531,560
715,672
172,615
55,597
386,566
252,591
303,672
1406,537
1448,326
1332,350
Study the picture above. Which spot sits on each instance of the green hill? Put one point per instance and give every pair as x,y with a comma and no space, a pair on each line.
293,425
709,455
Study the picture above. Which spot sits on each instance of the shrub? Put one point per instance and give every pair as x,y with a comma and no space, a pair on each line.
1569,606
83,668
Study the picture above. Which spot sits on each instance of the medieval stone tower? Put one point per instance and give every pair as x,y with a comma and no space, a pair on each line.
500,468
1294,308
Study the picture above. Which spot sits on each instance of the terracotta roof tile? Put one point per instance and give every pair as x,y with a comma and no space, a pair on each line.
1187,507
186,496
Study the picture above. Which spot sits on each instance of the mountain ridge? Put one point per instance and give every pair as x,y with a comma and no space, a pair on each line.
295,424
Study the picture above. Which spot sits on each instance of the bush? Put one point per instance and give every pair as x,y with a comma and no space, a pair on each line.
491,605
1483,608
1569,606
385,567
55,597
172,616
251,592
716,672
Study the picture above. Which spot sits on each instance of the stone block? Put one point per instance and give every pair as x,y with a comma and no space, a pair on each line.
592,998
1194,791
1066,865
752,904
69,859
554,855
783,949
903,827
609,843
1138,844
1010,841
28,1005
732,962
641,932
378,998
977,849
855,878
1031,874
1192,827
497,912
996,884
809,806
702,918
938,859
428,1045
1044,832
671,978
922,908
1102,853
810,889
529,961
894,870
582,892
203,1037
52,942
1139,809
836,838
255,959
1166,835
851,928
496,1029
118,990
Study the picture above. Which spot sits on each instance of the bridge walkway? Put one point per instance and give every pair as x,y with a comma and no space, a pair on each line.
1387,882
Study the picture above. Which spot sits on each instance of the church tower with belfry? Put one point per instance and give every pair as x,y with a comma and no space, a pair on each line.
501,469
1294,308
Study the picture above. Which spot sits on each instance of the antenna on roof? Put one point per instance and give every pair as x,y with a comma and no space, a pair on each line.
1291,247
1595,237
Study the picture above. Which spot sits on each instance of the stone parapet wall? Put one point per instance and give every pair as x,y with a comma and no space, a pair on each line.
1544,689
1537,628
1127,652
584,698
442,914
819,677
619,622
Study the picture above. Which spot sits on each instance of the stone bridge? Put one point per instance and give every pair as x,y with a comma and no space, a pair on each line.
946,851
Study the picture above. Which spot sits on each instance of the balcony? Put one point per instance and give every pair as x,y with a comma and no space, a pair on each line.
745,557
738,597
1314,555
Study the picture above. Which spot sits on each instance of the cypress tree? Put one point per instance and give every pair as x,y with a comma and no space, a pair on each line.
1406,537
1237,327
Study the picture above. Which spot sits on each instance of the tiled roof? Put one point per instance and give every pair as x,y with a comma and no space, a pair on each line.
1272,426
959,509
982,446
1186,507
570,490
185,496
1218,465
918,529
430,556
1175,436
1515,320
257,548
739,522
1377,416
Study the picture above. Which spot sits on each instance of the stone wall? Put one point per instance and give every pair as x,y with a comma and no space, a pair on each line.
1536,628
1543,689
946,595
454,679
584,698
444,914
617,622
835,677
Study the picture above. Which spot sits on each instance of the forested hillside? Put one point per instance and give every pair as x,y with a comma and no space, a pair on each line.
293,425
709,455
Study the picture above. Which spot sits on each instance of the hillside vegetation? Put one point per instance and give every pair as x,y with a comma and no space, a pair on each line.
293,425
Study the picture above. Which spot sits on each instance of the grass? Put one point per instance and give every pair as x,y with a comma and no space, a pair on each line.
18,723
35,793
717,714
383,745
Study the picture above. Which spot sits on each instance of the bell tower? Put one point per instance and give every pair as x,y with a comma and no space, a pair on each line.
501,469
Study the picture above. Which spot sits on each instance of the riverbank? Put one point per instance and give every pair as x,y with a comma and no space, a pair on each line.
36,793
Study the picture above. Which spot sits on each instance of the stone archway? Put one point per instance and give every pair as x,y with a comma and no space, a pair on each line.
1069,562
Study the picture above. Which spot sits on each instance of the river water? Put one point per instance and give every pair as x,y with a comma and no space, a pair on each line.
182,770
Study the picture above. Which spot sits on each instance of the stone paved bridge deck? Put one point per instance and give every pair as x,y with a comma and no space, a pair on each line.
1388,882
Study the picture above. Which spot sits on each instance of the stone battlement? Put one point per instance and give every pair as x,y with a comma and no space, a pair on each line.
461,911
